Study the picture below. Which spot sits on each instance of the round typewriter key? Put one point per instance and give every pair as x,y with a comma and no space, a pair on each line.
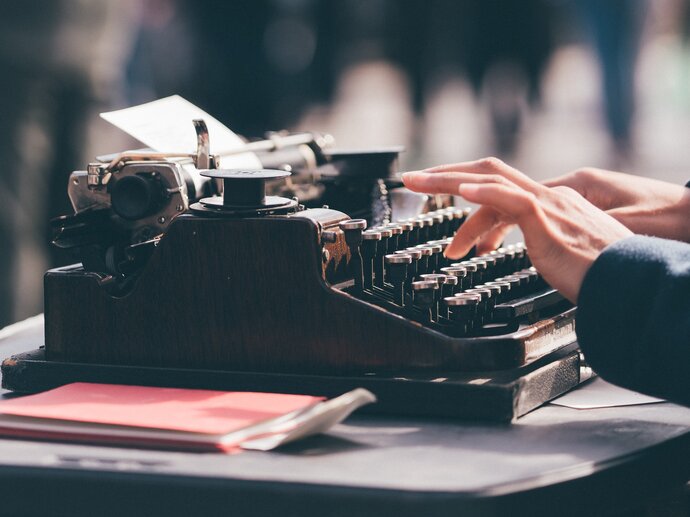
421,285
371,235
395,238
381,251
449,286
500,261
505,289
484,306
447,221
460,273
353,224
434,260
413,238
404,239
495,293
370,239
471,268
482,291
533,274
398,258
469,265
424,261
518,282
413,252
462,310
397,274
424,298
457,271
414,267
436,231
436,277
425,231
491,271
450,280
514,285
490,261
353,230
482,268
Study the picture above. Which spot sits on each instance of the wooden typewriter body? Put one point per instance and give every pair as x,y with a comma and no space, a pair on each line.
262,294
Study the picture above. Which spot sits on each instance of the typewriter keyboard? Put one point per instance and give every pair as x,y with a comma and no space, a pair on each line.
401,267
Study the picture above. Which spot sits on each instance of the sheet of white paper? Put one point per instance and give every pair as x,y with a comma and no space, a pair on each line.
598,393
315,420
166,125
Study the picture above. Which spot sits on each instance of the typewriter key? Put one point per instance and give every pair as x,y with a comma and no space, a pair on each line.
462,310
353,238
471,268
424,265
397,274
413,234
396,231
368,250
404,237
424,298
381,252
435,259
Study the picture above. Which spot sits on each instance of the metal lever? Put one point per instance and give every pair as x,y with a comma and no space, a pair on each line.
202,159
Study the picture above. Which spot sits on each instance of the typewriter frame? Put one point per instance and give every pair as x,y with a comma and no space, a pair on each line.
200,315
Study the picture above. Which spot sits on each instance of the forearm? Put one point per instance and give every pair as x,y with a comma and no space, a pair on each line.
634,316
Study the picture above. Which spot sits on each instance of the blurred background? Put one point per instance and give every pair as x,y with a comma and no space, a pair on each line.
548,85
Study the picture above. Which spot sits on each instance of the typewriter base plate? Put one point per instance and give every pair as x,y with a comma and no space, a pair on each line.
499,396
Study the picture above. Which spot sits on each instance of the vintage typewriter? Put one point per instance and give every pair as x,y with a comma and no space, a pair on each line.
192,275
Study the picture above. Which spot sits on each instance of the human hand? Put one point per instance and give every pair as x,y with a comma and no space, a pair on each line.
644,205
563,231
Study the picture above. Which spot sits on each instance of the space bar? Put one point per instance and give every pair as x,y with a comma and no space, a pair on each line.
527,304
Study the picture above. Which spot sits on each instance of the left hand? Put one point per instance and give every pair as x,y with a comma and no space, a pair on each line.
564,232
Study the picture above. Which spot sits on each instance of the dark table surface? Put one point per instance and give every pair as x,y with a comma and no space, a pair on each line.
555,460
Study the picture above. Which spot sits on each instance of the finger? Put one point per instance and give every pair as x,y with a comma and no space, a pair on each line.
489,166
447,182
483,221
507,204
493,238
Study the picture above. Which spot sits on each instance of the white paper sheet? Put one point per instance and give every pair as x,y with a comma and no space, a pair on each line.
598,393
314,420
166,125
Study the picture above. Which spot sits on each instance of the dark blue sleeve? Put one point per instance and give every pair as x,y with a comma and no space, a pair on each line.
633,321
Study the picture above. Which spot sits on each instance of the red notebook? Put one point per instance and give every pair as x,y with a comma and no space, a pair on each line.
148,416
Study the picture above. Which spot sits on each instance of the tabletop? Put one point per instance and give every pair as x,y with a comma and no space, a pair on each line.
555,459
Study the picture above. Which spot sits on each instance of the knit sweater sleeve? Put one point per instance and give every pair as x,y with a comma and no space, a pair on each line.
633,322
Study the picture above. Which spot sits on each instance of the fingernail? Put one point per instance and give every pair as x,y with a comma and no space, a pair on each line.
468,188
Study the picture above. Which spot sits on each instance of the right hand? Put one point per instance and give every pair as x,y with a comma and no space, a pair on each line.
563,231
646,206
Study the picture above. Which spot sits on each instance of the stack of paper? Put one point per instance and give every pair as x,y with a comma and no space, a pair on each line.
173,418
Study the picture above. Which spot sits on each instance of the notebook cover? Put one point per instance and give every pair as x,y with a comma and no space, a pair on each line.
175,409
